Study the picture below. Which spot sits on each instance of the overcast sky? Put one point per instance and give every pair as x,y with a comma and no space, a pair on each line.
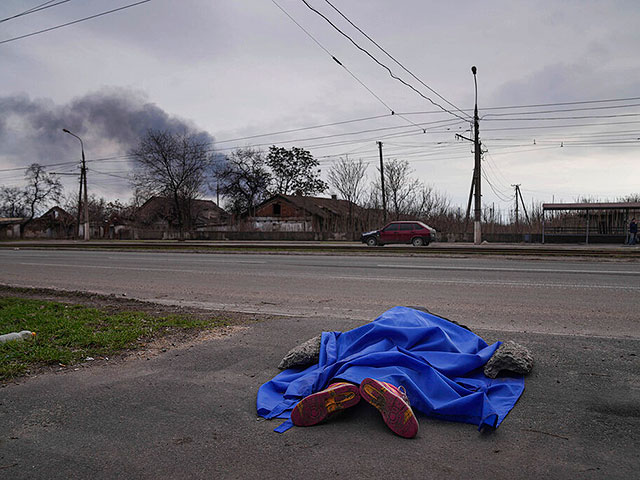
232,69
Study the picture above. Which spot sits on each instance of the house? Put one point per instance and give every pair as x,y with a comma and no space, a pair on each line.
10,227
157,218
54,223
297,213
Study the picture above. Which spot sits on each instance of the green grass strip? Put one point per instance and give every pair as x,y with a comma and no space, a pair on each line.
68,334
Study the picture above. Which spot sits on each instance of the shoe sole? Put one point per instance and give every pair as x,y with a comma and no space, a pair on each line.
317,407
396,413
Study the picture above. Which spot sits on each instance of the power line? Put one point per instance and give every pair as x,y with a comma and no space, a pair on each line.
500,196
306,128
398,63
582,117
37,8
558,126
380,63
561,110
506,107
343,66
74,22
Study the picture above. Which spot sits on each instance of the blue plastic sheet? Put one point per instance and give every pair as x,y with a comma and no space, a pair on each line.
438,362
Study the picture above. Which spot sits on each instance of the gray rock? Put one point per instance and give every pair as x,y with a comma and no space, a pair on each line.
510,356
303,355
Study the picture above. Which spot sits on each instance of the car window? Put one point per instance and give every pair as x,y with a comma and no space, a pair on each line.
417,226
406,226
393,226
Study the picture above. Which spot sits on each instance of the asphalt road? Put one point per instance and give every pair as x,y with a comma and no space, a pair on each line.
190,412
558,296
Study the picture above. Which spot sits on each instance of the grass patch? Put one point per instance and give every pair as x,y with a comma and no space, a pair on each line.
67,334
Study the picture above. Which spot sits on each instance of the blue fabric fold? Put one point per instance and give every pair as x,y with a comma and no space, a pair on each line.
438,363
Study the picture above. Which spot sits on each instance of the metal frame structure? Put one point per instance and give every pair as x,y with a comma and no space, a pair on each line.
630,209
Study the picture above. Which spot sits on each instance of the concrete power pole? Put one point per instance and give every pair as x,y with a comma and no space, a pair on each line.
477,229
83,182
86,200
517,202
384,194
79,204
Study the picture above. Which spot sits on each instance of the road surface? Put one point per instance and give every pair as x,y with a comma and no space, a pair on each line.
552,296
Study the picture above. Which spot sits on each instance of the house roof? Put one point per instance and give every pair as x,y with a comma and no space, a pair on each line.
157,205
320,206
10,220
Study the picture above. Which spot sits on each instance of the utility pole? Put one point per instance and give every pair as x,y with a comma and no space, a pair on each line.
79,203
475,183
86,200
516,186
526,215
83,182
477,232
518,194
384,195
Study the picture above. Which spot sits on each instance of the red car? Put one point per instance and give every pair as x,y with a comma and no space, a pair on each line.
416,233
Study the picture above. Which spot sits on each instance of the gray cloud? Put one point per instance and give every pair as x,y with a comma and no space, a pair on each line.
110,121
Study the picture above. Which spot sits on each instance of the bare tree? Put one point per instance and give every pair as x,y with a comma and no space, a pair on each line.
400,187
244,179
347,177
173,166
12,202
41,189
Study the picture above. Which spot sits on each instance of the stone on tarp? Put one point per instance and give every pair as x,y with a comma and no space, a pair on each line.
511,357
303,355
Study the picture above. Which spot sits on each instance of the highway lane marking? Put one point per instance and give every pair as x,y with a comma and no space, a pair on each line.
507,269
290,275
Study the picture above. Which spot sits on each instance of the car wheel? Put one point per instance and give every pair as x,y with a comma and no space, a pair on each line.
417,242
372,241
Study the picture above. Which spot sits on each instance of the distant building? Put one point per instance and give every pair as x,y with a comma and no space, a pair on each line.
157,218
10,227
297,213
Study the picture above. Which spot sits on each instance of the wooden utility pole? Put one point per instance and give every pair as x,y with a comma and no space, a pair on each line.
519,199
384,195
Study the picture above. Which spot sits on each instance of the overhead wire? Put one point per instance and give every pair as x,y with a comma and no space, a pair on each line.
580,117
37,8
335,59
399,64
366,52
74,22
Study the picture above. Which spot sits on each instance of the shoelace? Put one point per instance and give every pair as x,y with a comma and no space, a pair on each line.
401,390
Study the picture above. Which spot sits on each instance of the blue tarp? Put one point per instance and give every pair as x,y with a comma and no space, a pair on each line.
438,362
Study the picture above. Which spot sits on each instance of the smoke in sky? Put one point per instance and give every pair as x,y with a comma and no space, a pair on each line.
110,122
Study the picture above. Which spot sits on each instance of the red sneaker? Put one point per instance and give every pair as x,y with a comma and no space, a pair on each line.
393,405
319,406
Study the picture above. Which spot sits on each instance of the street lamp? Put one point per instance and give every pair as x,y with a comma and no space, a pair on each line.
83,178
477,233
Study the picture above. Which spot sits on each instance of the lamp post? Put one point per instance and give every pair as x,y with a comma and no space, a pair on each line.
83,177
477,233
